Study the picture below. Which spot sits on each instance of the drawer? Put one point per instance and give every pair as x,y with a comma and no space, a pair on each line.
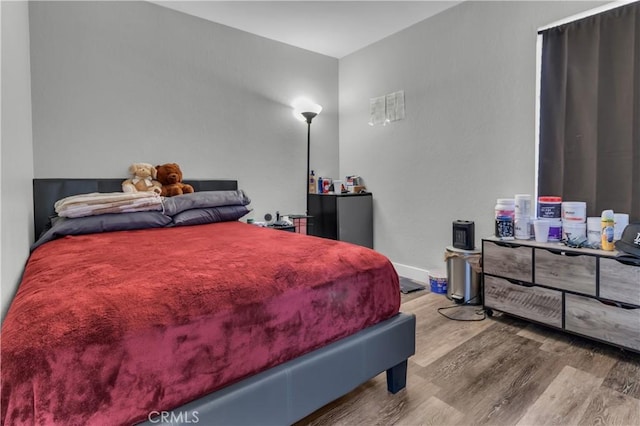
566,271
619,282
507,260
613,324
535,303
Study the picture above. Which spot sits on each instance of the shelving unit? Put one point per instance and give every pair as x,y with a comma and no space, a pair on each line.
581,291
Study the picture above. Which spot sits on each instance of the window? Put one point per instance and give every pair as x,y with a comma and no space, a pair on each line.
589,130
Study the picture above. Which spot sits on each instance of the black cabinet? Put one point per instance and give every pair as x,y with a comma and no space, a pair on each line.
345,217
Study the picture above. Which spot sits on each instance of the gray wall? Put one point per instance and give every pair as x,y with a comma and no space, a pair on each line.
121,82
16,153
469,135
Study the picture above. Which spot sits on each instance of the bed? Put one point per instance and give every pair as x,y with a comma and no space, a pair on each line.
213,323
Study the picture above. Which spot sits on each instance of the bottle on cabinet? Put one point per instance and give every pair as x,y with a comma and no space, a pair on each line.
505,214
607,225
313,184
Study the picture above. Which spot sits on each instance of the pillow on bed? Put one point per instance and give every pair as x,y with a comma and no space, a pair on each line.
209,215
203,199
61,226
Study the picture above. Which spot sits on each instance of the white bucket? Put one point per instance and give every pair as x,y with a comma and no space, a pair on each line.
574,211
572,230
438,282
594,230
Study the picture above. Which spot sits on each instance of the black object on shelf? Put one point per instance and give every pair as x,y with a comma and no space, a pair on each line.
464,234
283,227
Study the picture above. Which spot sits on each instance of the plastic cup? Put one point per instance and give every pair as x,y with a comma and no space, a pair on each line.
541,230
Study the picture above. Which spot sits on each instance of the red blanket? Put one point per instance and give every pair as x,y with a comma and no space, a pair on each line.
106,328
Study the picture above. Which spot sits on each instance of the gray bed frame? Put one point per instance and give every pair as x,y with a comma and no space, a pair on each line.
288,392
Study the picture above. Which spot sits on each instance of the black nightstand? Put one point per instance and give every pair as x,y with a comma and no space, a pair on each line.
344,217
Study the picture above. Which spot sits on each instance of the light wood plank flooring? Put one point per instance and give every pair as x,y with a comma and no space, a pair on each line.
500,371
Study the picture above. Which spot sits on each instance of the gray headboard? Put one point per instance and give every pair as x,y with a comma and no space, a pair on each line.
47,191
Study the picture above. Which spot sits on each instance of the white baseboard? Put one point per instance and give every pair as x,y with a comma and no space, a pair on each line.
411,272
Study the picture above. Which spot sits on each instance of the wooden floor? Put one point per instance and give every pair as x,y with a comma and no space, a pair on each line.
499,371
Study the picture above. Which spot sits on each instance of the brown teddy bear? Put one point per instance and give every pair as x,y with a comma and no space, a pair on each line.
142,180
170,176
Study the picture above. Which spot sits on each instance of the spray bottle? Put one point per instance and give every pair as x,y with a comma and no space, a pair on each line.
607,225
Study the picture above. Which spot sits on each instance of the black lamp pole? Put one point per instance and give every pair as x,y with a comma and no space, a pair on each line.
309,116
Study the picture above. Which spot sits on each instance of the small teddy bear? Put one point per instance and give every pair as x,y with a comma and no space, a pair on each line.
170,176
142,180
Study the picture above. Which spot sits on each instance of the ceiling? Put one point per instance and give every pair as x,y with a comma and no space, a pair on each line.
333,28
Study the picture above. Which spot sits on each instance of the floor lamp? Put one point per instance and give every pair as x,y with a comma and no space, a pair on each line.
305,110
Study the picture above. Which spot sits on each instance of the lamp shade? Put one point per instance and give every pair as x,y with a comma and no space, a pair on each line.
304,105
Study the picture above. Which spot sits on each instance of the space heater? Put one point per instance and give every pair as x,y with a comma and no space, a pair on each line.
464,235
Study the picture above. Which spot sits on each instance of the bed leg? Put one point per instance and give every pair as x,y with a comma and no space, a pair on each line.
397,377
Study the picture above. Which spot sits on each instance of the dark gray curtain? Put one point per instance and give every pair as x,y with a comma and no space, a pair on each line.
590,112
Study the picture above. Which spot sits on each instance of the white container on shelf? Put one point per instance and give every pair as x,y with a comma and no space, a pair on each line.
620,221
572,230
574,211
522,227
549,207
594,230
504,218
523,205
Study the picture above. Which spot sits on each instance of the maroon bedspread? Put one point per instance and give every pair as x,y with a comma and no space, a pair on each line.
106,328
